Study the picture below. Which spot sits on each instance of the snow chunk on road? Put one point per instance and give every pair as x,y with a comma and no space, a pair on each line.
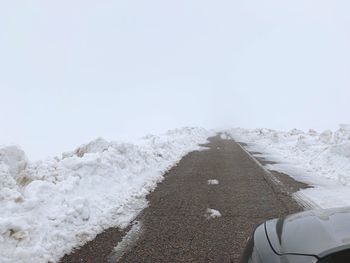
49,207
322,160
212,213
213,182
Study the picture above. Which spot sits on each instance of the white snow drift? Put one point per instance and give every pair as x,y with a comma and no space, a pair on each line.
49,207
322,160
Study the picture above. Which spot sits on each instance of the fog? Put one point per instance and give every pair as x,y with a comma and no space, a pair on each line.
71,71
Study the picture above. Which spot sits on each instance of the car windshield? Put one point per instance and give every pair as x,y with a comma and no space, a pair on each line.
339,257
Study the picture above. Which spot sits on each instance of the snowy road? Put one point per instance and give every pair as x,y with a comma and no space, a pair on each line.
203,211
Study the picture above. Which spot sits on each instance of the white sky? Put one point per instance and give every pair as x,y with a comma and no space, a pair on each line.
71,71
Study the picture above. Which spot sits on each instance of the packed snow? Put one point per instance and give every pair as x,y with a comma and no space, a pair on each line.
319,159
127,243
212,213
49,207
213,182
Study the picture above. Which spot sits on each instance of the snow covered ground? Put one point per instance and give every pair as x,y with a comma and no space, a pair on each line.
319,159
49,207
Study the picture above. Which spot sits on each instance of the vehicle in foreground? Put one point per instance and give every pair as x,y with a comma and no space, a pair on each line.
316,236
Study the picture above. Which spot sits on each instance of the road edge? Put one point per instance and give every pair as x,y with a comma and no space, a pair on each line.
278,186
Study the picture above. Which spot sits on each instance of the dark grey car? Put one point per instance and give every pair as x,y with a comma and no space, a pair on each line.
321,236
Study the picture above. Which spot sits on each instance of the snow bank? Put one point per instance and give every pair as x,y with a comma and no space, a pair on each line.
322,160
49,207
12,165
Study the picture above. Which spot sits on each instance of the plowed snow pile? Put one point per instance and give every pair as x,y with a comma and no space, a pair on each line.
322,160
51,206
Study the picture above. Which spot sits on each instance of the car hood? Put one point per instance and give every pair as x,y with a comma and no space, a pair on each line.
316,232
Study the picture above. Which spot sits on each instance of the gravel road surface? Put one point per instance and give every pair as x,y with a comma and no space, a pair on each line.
178,227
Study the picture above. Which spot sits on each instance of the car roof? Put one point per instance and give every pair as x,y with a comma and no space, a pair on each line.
315,232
